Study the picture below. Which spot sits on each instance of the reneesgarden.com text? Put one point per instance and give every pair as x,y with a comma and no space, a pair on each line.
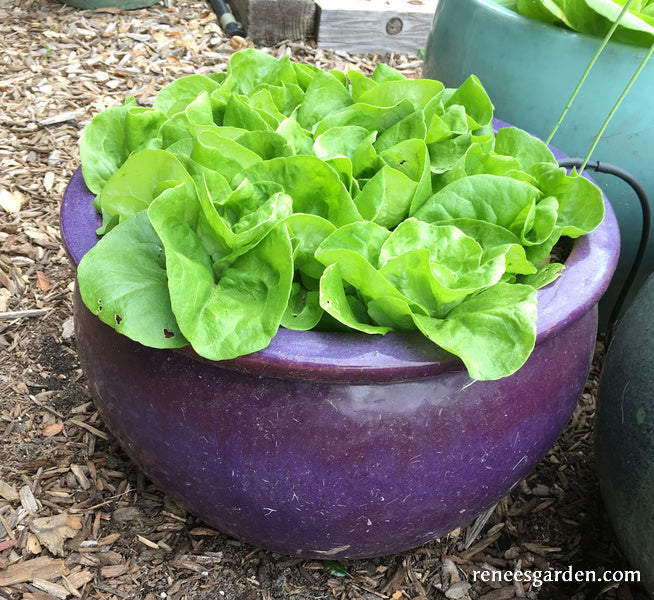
538,578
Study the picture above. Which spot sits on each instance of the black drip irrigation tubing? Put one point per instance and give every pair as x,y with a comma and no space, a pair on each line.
639,190
227,21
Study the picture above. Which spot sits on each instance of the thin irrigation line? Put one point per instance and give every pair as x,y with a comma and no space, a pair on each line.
616,106
592,62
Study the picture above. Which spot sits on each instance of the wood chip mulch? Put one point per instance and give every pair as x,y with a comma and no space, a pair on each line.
77,519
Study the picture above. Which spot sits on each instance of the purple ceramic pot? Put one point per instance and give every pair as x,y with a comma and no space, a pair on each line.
332,445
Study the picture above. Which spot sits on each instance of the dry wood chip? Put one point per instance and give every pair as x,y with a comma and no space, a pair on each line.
42,567
189,565
7,283
513,553
449,572
458,590
78,579
109,539
90,428
68,329
11,202
33,546
53,531
126,514
111,590
80,476
113,571
538,549
52,429
54,589
478,525
505,593
543,505
7,544
204,531
147,542
5,295
395,581
8,492
22,314
110,558
8,526
479,546
42,281
541,490
38,596
48,181
28,500
57,119
71,590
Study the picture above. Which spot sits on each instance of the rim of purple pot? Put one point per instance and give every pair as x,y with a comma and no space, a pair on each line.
396,356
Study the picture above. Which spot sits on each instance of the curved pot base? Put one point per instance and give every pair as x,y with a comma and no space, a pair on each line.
624,444
331,469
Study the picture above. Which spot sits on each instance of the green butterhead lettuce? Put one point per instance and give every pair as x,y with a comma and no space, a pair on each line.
237,313
496,326
124,282
279,195
593,17
112,136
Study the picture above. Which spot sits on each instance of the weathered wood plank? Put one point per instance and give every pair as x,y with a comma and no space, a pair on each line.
270,21
42,567
374,25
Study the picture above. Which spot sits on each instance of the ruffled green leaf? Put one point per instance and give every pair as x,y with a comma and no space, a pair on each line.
112,136
127,192
322,193
236,313
123,280
492,332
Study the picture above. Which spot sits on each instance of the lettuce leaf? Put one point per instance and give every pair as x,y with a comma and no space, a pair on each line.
280,195
123,280
593,17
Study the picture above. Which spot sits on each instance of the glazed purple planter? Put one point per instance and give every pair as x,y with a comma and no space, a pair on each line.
332,445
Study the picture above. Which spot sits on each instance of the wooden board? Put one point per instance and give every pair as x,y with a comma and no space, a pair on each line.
375,25
268,22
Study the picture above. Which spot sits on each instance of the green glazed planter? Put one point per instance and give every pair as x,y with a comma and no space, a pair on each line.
624,444
530,69
125,4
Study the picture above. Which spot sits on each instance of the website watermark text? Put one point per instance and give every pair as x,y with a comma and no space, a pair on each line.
538,577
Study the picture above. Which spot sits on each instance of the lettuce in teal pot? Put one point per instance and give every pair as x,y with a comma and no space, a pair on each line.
593,17
278,195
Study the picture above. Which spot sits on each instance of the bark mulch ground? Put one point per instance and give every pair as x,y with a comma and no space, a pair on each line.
77,518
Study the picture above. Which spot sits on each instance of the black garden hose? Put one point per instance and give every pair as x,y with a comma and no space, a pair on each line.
227,21
602,167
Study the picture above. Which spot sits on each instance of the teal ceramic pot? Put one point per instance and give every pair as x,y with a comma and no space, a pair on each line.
530,69
125,4
624,443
